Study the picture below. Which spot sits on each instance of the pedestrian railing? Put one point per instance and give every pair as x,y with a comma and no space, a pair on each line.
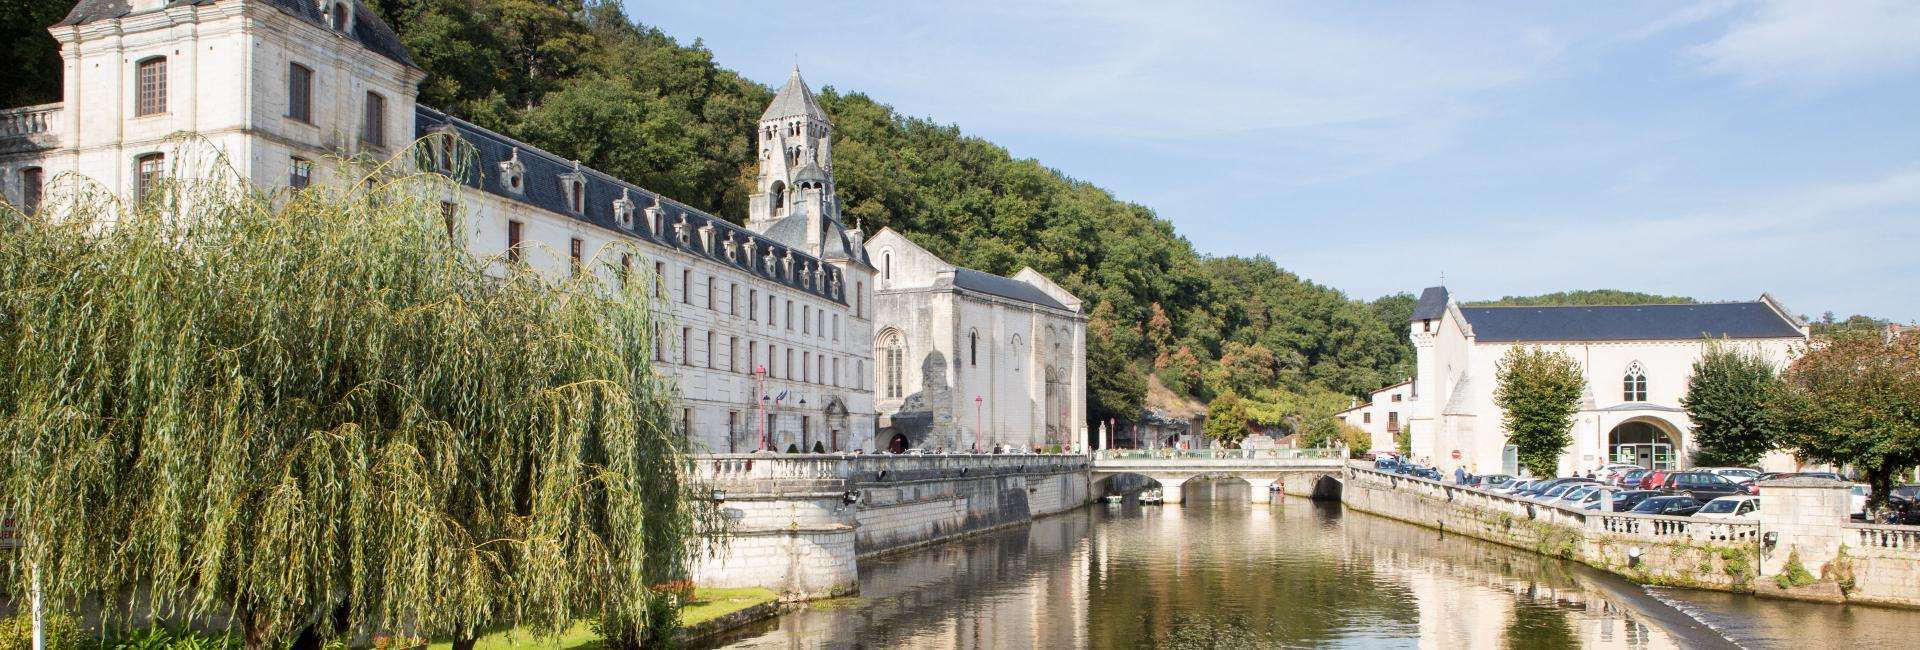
1220,454
1622,524
1904,539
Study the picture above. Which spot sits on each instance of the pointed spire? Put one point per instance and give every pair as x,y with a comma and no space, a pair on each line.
794,99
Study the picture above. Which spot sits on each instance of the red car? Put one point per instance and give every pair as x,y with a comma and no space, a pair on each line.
1654,480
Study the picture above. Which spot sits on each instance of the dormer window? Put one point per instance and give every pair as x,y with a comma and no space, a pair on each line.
444,147
512,173
340,18
573,186
623,210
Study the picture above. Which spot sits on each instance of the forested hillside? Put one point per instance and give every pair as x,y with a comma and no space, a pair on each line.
584,80
1587,297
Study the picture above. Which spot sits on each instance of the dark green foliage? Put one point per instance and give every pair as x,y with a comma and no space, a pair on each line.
1828,326
1538,393
1586,297
32,72
1226,419
1726,398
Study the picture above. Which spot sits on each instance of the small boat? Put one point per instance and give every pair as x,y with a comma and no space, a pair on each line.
1114,498
1151,496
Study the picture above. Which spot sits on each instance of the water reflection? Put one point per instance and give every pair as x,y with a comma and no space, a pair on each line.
1224,574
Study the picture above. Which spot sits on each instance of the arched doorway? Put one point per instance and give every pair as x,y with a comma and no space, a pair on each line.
897,445
1643,443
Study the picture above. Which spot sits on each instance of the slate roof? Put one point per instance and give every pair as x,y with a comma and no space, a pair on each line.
542,190
1004,287
1432,304
1738,320
794,99
368,29
792,231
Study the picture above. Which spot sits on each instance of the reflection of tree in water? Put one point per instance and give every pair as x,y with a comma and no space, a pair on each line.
1539,623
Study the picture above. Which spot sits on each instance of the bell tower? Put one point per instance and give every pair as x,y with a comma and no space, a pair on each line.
795,147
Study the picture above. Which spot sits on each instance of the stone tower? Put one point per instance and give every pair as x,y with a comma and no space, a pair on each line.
796,165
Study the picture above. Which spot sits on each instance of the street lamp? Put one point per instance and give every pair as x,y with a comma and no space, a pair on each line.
977,426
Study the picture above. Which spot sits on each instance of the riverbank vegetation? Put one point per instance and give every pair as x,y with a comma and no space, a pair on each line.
314,415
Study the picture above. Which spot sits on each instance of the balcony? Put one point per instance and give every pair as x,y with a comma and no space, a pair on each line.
29,128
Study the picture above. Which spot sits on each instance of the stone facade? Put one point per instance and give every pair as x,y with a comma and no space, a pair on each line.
1383,415
967,358
770,339
1636,359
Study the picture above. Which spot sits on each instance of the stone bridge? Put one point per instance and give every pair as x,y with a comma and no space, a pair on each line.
1303,472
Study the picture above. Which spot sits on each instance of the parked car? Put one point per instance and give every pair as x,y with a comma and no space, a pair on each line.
1610,473
1753,487
1678,506
1652,480
1739,506
1491,481
1582,497
1557,491
1514,486
1702,485
1543,485
1857,497
1631,479
1625,500
1386,463
1735,474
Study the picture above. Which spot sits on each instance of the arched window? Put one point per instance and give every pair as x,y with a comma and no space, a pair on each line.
1015,345
779,192
973,348
150,91
1635,383
886,265
893,361
147,171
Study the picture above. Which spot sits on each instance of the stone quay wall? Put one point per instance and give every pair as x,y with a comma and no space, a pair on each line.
1802,520
1652,549
799,523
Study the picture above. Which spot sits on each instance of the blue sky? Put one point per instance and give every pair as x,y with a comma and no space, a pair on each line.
1716,149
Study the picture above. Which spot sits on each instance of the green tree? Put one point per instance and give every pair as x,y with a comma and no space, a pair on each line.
1538,391
1587,297
318,417
1226,420
1850,401
32,73
1726,399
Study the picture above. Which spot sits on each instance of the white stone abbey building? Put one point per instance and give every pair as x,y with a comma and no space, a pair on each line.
1636,358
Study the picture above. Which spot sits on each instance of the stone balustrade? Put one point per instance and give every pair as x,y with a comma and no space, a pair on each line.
753,471
1883,537
29,127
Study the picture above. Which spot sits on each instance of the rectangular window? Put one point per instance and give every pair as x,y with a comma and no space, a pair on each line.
733,430
686,346
32,190
753,304
836,371
753,355
733,298
660,278
770,311
299,173
733,351
1396,397
626,268
659,344
711,293
513,241
686,422
820,323
147,172
788,317
449,215
1366,418
789,363
710,341
576,249
859,288
300,92
836,327
806,319
686,286
806,367
151,94
1393,421
374,128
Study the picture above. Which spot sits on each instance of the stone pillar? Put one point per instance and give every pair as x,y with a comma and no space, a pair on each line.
1263,488
1801,514
1170,488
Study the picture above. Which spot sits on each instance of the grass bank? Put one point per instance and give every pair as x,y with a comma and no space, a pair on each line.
708,604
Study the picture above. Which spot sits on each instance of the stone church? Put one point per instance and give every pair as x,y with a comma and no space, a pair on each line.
1637,360
972,360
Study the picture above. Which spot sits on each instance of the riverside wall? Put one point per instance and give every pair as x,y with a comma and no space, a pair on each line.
799,523
1803,522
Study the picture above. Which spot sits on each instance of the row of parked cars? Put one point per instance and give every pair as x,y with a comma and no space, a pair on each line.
1683,494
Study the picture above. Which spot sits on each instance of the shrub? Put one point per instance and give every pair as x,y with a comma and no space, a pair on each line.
62,631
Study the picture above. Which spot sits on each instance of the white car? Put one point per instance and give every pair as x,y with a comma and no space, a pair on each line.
1857,497
1608,473
1739,506
1735,474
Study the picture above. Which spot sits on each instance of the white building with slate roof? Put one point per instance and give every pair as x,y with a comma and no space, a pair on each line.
772,333
1637,360
971,358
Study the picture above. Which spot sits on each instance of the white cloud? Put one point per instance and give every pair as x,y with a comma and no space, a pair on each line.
1816,44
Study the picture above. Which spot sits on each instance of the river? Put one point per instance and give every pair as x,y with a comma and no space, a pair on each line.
1219,572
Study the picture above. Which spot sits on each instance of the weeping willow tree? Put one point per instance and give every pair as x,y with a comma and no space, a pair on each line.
315,415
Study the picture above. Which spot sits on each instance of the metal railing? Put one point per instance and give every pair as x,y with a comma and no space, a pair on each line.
1218,454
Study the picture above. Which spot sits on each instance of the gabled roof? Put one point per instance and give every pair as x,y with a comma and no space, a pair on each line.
1433,303
1737,320
1004,287
368,29
793,100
